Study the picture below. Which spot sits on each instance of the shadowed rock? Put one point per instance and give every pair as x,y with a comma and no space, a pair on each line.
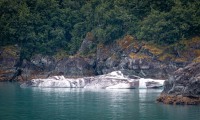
183,87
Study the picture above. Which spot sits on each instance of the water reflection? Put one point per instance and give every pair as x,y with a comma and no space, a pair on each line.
113,103
92,104
144,94
147,98
65,90
57,90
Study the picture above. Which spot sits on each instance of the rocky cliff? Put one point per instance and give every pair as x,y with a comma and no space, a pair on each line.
9,57
127,55
183,87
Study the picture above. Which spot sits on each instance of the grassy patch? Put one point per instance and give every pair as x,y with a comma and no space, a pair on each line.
181,59
197,52
196,59
138,56
154,49
189,42
11,50
60,54
166,56
126,42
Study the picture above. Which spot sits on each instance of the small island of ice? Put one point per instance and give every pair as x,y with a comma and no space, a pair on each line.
113,80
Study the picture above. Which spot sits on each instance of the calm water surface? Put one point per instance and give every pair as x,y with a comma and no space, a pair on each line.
80,104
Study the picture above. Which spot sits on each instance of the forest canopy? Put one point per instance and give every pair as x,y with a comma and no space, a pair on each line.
47,26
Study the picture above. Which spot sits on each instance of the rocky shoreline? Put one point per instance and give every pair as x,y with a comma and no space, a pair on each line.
183,87
127,55
178,99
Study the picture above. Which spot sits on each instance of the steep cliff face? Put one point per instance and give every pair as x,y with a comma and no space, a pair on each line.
42,66
9,58
183,87
127,55
133,57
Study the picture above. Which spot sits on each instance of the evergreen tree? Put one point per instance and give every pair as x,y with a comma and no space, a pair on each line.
48,26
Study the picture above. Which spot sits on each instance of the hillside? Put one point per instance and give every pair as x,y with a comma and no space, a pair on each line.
128,55
40,38
48,26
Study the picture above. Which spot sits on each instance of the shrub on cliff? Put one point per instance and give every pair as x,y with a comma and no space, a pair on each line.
47,26
182,21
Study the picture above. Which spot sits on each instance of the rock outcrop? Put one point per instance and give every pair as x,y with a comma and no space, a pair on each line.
44,66
132,57
183,87
143,59
9,58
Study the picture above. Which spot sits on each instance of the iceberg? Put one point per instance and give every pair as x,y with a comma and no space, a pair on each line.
113,80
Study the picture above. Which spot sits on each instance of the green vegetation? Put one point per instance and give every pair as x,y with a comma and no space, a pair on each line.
49,26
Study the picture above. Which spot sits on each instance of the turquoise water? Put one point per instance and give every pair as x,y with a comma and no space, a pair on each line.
80,104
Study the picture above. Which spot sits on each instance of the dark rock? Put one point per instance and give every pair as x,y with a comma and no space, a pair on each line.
129,57
178,100
39,66
46,63
183,87
43,67
75,67
9,57
87,44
